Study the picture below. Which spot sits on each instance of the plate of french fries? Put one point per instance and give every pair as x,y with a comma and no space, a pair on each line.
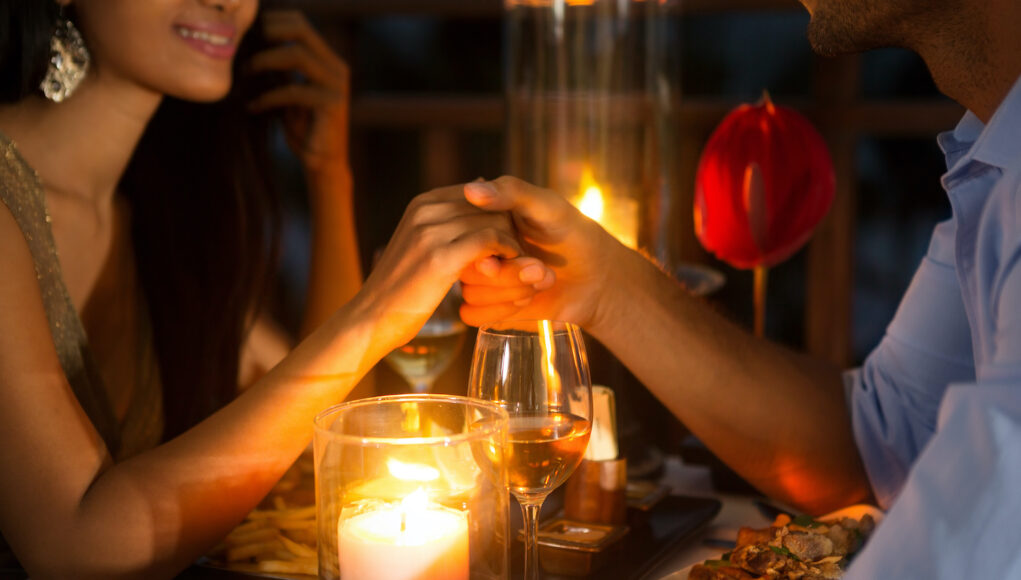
277,539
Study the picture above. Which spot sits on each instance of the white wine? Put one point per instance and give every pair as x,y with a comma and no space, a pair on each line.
427,355
537,371
544,450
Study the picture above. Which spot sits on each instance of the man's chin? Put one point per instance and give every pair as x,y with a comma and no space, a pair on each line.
826,41
822,46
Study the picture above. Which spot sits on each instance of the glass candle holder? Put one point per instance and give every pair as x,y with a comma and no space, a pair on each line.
584,79
412,487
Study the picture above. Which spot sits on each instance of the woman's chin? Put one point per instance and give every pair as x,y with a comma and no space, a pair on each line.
202,92
202,96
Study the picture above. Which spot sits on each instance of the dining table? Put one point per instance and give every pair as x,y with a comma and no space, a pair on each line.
684,483
736,510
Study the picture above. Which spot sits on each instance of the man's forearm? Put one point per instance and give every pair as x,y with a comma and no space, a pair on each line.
777,417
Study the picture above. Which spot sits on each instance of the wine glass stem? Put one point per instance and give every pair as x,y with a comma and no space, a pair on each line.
530,515
421,386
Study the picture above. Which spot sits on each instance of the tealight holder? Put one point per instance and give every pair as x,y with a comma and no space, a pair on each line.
412,487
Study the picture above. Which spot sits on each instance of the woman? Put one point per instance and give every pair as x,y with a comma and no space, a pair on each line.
135,242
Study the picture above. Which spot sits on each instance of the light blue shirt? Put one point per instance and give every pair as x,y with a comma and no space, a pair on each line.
936,408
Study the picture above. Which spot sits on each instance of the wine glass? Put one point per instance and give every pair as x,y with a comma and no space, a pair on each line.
538,371
425,358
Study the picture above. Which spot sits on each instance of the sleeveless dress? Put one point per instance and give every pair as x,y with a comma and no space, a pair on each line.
142,426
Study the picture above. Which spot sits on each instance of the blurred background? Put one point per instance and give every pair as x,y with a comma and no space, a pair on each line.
428,110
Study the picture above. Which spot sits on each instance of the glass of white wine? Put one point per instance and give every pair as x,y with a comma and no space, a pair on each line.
421,361
538,371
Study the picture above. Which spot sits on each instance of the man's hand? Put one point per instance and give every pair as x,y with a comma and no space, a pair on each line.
570,259
777,417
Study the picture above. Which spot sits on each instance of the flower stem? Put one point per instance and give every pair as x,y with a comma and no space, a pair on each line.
761,273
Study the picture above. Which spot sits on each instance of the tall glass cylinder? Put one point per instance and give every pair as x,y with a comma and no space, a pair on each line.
412,487
582,78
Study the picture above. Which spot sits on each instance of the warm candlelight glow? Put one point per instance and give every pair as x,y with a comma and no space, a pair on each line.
617,214
434,475
413,540
416,502
591,201
411,487
411,471
602,444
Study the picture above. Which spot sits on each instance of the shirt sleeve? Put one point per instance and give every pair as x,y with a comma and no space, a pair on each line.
1004,359
895,397
959,511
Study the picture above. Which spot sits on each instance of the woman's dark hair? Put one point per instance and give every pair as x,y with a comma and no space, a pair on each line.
26,27
205,221
206,227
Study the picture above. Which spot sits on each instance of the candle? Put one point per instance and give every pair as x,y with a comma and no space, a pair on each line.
412,540
602,445
618,214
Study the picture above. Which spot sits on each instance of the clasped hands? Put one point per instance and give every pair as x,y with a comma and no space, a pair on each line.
520,251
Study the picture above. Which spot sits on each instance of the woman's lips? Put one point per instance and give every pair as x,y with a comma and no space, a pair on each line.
214,40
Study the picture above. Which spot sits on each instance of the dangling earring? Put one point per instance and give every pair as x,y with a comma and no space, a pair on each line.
69,60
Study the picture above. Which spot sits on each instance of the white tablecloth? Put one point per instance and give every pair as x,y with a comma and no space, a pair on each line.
737,511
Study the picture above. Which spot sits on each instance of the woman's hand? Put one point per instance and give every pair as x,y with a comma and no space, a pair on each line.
316,107
439,236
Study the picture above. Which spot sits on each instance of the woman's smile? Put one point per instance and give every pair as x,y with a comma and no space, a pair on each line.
212,39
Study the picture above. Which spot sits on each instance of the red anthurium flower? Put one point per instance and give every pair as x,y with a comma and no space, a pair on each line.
765,180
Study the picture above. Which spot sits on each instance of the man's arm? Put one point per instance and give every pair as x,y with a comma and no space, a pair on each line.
777,417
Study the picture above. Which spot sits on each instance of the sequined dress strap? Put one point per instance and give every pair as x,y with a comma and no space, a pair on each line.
21,192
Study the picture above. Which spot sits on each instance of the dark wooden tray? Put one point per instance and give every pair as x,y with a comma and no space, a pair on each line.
653,537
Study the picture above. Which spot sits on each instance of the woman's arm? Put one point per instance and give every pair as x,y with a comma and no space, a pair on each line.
68,511
335,271
316,124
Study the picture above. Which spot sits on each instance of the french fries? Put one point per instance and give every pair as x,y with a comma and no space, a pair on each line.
300,550
285,514
279,540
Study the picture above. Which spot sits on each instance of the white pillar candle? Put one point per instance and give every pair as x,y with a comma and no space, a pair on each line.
414,540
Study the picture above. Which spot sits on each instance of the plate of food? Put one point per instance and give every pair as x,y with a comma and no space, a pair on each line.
801,547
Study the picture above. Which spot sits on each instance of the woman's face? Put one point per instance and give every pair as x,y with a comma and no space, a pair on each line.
181,48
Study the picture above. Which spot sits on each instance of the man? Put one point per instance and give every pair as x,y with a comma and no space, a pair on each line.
930,426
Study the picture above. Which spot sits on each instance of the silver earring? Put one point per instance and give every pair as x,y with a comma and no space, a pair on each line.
69,60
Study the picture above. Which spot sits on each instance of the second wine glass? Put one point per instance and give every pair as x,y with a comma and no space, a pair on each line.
423,360
538,371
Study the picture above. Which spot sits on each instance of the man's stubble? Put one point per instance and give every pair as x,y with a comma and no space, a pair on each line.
850,26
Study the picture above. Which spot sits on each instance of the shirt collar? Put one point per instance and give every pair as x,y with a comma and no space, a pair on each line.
955,144
997,144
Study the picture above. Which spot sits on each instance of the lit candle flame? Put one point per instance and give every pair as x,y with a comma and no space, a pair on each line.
416,501
616,212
